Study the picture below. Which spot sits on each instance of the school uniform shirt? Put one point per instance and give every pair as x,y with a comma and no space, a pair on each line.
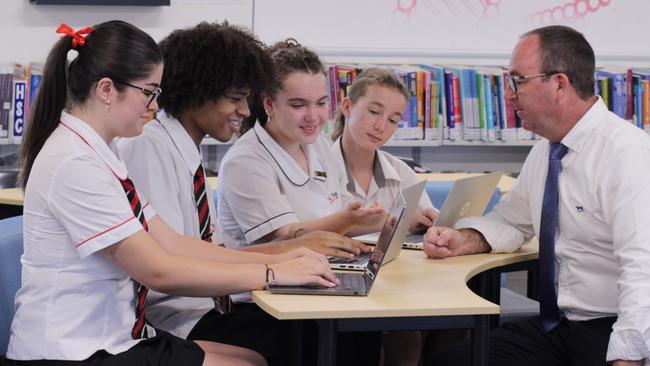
262,188
73,301
162,162
602,245
390,176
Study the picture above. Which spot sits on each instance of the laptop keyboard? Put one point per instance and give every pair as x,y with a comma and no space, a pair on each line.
414,238
359,258
351,281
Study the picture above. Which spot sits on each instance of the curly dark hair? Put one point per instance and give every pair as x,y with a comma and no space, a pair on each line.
203,62
288,57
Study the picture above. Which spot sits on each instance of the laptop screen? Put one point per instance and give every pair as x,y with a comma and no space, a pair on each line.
387,232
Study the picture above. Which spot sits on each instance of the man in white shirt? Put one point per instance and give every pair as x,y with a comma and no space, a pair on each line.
594,306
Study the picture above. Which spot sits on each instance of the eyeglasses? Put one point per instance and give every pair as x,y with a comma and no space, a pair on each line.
514,80
152,94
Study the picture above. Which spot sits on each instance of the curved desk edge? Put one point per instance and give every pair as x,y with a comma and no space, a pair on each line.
447,297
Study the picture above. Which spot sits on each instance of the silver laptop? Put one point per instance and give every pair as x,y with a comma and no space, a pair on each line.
411,196
467,197
392,235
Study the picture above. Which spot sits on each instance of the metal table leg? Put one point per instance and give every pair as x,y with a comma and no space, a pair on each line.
327,342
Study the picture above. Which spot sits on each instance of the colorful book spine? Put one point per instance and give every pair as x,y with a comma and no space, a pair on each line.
6,78
19,109
449,86
457,102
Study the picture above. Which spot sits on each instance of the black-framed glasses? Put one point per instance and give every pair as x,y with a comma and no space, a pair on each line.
514,80
152,94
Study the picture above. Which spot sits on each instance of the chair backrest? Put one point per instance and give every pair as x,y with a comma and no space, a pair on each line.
11,248
8,177
438,191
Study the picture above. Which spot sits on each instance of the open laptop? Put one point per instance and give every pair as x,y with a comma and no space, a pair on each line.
392,235
467,197
411,196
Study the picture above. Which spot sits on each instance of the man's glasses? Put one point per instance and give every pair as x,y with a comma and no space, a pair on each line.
152,94
515,80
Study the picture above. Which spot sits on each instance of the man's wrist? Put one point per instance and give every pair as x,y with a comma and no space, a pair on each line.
477,241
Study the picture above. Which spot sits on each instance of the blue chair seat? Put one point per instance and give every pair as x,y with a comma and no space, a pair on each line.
11,248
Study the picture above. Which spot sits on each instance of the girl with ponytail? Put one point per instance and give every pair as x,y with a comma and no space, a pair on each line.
93,244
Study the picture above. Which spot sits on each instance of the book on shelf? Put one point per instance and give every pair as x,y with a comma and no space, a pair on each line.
35,72
446,103
641,88
614,85
6,79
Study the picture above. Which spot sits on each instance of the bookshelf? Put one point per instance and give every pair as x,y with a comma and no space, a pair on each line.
428,34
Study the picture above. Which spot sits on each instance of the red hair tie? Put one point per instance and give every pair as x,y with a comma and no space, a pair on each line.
77,37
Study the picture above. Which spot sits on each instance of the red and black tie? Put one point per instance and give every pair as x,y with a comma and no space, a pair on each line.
139,330
202,206
205,226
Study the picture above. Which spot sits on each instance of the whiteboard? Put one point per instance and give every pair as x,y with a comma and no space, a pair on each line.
27,30
615,28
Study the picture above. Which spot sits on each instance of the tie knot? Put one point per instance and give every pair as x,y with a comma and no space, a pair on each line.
557,151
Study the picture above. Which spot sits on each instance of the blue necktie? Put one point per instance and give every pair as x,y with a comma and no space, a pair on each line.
549,312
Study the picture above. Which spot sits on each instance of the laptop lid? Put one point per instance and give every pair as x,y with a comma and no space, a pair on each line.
387,238
411,196
468,197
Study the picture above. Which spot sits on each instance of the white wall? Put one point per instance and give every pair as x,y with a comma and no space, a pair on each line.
459,29
27,31
483,31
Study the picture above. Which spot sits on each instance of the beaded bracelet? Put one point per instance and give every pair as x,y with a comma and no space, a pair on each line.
272,282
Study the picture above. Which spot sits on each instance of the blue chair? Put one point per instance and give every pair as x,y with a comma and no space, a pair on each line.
11,248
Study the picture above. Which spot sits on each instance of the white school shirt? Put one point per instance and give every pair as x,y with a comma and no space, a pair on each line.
73,301
390,176
162,162
262,188
603,237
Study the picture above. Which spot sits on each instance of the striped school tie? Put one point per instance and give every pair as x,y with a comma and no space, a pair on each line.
205,226
139,330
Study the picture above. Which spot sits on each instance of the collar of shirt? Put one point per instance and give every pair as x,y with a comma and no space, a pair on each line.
108,153
383,170
287,164
182,140
578,135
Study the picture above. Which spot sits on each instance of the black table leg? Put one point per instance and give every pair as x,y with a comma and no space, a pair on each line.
327,342
480,340
297,334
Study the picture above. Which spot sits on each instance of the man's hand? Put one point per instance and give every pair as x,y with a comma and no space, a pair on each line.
442,242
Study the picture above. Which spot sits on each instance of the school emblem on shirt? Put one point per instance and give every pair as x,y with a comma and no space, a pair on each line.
320,175
333,197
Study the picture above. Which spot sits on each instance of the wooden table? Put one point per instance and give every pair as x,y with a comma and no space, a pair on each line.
505,184
412,292
11,196
14,196
11,202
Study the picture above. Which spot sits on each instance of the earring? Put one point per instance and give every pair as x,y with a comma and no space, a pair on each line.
108,105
